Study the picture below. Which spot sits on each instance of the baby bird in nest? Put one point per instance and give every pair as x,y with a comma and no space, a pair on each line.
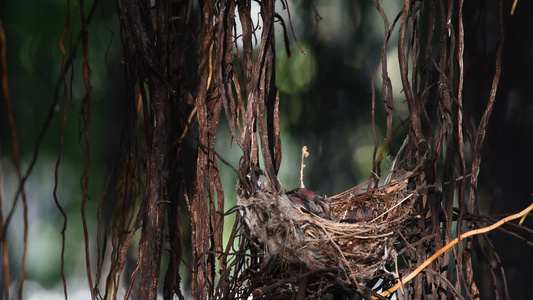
311,202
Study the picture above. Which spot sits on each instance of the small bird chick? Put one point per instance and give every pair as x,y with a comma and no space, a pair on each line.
360,214
311,202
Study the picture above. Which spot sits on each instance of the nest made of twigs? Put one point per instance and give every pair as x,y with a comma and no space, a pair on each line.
358,244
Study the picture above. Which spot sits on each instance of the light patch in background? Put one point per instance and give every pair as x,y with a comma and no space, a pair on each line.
44,222
44,248
256,23
255,15
340,23
400,106
77,289
393,70
293,25
391,8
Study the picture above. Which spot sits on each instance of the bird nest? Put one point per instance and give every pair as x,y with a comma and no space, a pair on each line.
356,241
